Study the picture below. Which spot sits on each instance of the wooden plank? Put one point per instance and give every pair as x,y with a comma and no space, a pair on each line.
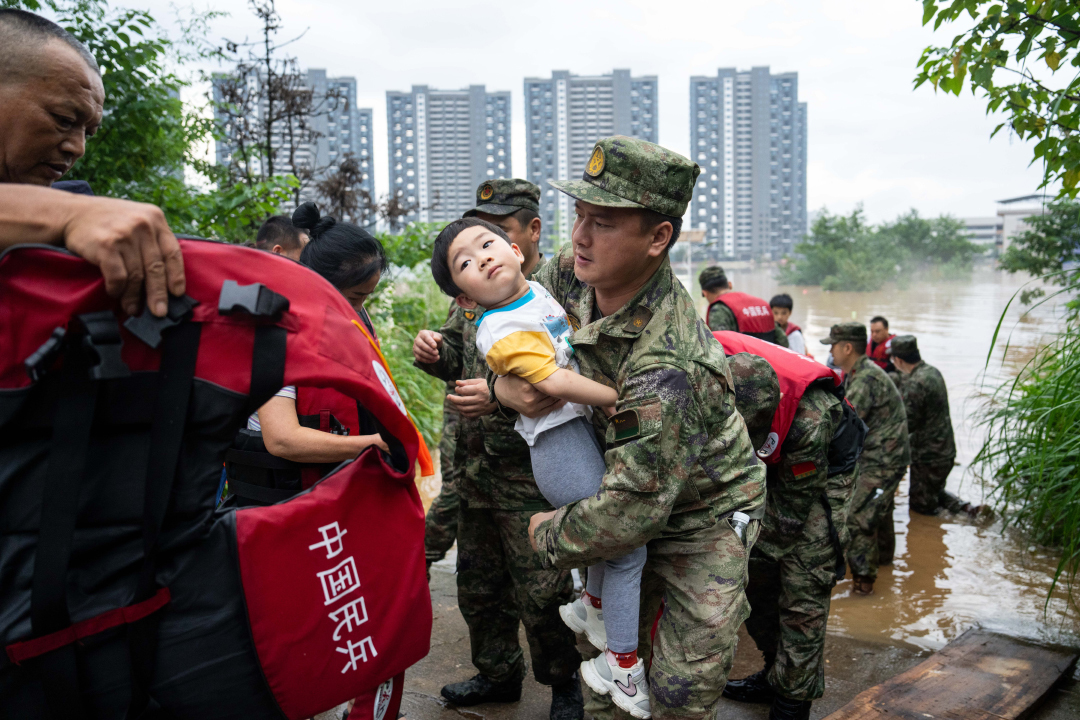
978,676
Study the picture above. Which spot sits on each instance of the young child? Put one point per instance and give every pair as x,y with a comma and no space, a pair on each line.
524,332
782,306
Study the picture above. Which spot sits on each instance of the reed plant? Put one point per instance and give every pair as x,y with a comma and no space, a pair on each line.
1031,455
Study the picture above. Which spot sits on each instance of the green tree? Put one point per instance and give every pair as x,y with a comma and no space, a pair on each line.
1011,52
1049,248
147,137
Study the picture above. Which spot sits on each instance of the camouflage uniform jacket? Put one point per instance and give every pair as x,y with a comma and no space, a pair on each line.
492,468
875,397
721,318
926,401
677,451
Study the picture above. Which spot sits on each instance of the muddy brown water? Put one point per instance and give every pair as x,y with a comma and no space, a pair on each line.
949,574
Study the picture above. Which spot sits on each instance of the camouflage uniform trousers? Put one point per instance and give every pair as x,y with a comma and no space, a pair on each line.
441,522
789,601
500,582
868,518
700,583
886,534
928,488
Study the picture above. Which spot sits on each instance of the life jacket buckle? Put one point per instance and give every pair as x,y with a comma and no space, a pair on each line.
255,299
148,327
103,339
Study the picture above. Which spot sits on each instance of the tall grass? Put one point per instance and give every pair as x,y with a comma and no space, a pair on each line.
1031,456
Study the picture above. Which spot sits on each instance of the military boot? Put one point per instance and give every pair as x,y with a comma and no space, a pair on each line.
481,689
752,688
566,701
787,709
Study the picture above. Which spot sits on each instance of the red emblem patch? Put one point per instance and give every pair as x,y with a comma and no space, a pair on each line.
801,470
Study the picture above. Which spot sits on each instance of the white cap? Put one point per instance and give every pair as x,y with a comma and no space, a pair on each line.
739,517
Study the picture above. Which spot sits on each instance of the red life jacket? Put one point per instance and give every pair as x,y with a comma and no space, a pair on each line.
794,371
115,429
752,314
791,327
879,354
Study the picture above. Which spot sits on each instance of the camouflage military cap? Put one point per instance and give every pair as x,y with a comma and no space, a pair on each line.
903,345
757,394
630,173
846,332
505,196
712,276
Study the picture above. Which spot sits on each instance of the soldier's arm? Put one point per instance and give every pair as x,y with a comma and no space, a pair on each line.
651,445
803,469
861,396
780,337
721,318
451,353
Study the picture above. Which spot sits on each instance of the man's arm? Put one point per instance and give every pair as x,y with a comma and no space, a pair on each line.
780,337
131,242
721,318
648,463
861,396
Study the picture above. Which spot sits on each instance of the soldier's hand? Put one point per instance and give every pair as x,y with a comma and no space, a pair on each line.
471,399
426,347
534,522
521,395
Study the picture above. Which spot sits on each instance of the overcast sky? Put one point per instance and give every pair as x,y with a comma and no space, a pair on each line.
872,139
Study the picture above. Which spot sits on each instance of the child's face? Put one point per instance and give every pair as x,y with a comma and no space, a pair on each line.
781,315
484,266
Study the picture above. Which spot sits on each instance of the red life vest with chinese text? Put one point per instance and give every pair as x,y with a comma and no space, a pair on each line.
794,371
752,314
879,354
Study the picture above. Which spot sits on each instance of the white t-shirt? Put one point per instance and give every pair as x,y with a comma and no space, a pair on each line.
530,338
253,422
796,342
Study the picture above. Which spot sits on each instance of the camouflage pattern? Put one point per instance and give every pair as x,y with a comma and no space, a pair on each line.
757,394
926,402
500,582
440,524
505,196
903,345
631,173
793,564
871,516
884,459
679,463
875,397
720,317
928,493
497,568
846,332
712,276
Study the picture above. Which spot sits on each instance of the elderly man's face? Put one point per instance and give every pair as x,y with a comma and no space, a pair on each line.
46,117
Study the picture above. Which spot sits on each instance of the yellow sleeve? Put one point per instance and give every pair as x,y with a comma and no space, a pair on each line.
529,355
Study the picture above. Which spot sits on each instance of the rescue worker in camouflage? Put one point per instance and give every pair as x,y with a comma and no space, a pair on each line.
885,455
933,449
679,461
714,283
794,564
501,581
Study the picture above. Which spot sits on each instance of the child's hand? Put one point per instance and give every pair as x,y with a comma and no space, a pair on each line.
426,347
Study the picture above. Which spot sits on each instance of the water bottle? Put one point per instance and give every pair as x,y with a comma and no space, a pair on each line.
739,521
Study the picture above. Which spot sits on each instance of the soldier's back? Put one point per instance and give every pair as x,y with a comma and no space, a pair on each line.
877,400
926,399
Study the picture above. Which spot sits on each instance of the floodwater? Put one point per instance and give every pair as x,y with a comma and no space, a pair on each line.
949,573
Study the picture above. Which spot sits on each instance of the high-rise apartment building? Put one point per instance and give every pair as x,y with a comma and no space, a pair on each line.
748,134
443,144
564,117
340,128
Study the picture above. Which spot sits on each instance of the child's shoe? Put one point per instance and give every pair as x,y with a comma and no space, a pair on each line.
628,687
582,616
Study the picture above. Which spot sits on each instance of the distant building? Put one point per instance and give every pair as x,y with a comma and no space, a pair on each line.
443,144
748,134
342,127
1012,213
564,117
984,231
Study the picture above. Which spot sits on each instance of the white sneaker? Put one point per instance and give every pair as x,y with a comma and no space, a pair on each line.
628,687
582,617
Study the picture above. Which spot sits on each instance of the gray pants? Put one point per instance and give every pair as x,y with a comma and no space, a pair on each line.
568,465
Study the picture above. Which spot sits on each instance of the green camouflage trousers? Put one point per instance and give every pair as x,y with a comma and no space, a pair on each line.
701,579
501,582
869,517
440,524
789,610
928,489
886,533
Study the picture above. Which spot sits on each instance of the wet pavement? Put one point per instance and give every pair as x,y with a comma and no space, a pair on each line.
949,574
